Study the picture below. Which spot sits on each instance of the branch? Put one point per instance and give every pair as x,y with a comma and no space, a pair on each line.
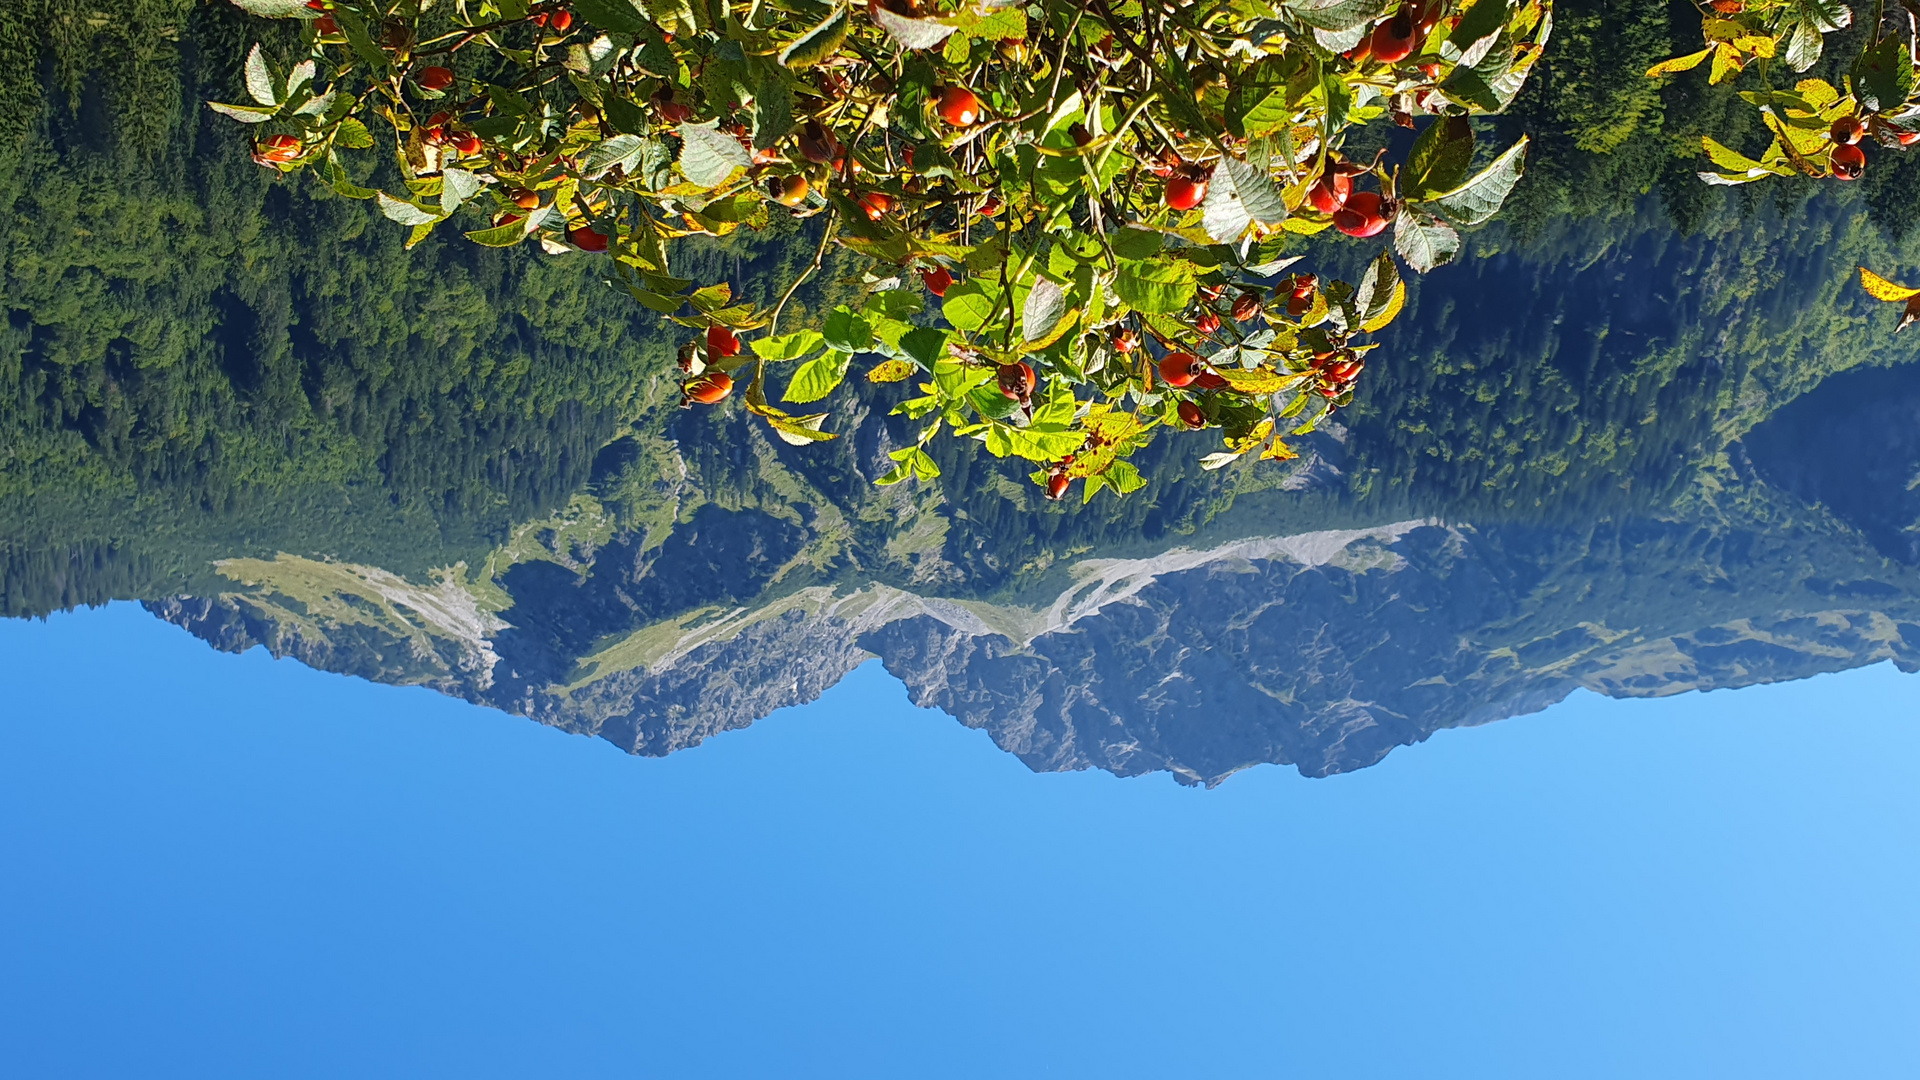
819,256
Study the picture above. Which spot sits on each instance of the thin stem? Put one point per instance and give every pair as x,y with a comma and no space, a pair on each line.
819,256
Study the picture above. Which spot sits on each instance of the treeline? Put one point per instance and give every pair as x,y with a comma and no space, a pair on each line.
201,361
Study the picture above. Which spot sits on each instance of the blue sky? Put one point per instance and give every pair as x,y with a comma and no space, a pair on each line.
231,866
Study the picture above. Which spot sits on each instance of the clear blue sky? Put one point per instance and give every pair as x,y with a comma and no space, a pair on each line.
219,866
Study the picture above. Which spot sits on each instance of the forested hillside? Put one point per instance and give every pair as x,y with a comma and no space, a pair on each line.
201,361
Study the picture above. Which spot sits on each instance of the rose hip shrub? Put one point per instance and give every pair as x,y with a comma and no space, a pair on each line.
1100,197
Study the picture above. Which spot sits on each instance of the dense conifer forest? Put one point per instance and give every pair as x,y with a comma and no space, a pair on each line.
203,360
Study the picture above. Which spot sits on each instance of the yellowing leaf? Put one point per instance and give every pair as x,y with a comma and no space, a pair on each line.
1278,450
1379,322
1726,63
1679,63
1730,160
1882,289
892,371
1260,380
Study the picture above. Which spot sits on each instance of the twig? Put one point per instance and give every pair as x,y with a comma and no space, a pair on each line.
819,256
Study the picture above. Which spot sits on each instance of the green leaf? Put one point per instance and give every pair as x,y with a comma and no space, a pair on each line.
336,178
846,331
619,16
789,346
246,114
1268,115
502,235
259,79
1482,20
925,344
1883,76
405,213
621,150
1132,243
772,105
969,304
817,378
1440,158
894,303
1337,15
910,33
1376,288
797,430
819,43
1155,286
1046,304
1803,46
1481,197
277,9
1237,196
914,462
353,135
457,187
708,155
1122,477
1424,241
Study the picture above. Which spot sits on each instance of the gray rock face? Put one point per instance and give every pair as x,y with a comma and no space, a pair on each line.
1329,667
1323,650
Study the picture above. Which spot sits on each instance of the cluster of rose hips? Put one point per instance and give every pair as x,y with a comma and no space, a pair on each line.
1847,160
1356,213
1400,36
712,385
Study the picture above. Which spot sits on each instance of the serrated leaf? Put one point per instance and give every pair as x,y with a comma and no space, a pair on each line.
621,150
1482,196
1424,241
1440,158
847,331
911,33
1337,15
818,377
1390,312
969,304
316,106
1133,243
616,15
791,346
1882,289
797,430
925,344
246,114
277,9
1155,286
458,185
1376,288
404,212
1803,46
353,135
1731,160
501,235
1223,215
259,79
708,155
818,43
1046,303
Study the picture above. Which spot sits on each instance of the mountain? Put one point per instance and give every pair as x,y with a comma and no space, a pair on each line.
1644,437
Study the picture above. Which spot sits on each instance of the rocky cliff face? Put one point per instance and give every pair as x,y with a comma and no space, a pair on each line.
1324,650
